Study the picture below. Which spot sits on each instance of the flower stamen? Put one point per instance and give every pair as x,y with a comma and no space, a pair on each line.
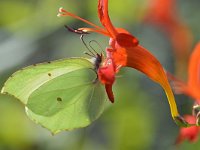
63,13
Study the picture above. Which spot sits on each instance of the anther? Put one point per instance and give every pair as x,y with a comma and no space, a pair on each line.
76,30
61,10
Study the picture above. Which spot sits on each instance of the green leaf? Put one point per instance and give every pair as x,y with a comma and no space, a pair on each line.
59,95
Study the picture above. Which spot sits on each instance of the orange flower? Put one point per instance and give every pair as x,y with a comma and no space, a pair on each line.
125,51
163,13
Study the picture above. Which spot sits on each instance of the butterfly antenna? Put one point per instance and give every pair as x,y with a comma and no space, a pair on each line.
88,54
94,41
91,53
82,33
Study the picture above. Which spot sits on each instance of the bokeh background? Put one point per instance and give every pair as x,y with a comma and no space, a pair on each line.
30,32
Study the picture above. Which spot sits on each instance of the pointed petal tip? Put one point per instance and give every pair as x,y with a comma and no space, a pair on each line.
180,121
111,97
110,92
112,100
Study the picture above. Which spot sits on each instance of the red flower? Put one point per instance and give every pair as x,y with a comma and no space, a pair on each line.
190,133
125,51
163,13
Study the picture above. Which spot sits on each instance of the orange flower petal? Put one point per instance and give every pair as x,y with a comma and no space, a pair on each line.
194,68
104,17
126,40
142,60
139,58
192,87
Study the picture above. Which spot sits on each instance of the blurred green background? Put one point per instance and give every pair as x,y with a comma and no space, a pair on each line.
30,32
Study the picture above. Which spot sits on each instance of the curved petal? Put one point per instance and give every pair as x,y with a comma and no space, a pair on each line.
192,87
194,68
139,58
126,40
104,17
109,92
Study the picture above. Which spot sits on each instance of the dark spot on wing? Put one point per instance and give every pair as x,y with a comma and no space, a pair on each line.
59,99
49,74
